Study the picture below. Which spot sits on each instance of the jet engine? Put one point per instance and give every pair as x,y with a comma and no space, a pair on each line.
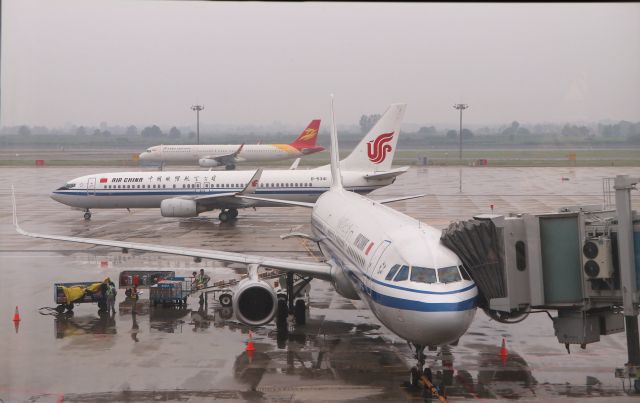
208,163
180,208
255,302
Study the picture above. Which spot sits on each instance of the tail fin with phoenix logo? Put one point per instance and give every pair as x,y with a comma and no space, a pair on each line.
307,139
376,150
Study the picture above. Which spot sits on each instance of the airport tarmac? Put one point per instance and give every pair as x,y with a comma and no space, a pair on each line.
341,354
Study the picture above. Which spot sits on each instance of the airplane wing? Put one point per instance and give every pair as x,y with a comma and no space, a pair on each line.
226,158
250,188
313,269
277,201
387,174
394,199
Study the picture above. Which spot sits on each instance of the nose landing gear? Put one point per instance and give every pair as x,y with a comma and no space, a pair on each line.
87,215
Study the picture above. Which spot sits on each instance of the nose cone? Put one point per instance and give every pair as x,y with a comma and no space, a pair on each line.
56,196
143,156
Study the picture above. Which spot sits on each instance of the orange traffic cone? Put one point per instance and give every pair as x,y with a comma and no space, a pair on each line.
250,346
16,315
503,351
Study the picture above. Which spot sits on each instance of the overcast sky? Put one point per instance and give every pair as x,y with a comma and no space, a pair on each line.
142,62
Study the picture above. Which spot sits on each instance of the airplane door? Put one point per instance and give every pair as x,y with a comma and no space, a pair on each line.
198,188
206,187
91,186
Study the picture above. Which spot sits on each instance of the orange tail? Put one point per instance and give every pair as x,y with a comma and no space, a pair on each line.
307,139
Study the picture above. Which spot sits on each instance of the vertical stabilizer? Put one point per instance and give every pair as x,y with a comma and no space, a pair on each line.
336,176
376,150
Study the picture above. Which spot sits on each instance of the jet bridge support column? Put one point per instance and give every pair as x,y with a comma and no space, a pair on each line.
623,185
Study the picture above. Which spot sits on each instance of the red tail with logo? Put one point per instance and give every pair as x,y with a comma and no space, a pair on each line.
306,141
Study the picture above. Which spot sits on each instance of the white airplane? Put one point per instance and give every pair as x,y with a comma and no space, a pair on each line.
189,193
229,155
413,284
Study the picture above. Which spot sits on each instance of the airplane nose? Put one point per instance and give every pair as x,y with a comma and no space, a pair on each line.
142,156
55,197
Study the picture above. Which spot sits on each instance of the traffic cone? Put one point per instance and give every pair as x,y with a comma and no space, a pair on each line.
503,350
250,346
16,315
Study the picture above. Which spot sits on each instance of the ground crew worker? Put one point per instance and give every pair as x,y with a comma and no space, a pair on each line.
202,280
111,296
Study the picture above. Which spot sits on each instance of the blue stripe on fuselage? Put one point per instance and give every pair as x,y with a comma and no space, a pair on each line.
127,192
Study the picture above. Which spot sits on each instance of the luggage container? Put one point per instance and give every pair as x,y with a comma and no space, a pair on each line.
170,292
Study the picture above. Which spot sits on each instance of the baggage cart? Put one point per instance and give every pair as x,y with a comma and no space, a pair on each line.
173,291
87,297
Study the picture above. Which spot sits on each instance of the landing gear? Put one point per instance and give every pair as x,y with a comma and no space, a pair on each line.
224,216
230,167
225,300
419,370
300,312
228,214
87,214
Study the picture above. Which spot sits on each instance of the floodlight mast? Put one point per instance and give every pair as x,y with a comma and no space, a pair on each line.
460,107
197,108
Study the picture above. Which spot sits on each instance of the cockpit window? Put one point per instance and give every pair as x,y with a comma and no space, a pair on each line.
449,274
403,274
423,275
392,272
465,273
149,150
67,186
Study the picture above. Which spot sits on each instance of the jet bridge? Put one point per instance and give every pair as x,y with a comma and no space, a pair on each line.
579,261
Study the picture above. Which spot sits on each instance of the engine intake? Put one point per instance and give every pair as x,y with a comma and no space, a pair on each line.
255,302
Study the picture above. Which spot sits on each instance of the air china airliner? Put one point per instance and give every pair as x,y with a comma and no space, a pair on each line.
189,193
230,155
413,284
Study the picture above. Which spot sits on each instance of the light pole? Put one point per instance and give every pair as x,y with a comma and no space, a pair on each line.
460,107
197,108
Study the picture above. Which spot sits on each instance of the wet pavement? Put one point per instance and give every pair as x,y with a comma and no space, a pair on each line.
198,353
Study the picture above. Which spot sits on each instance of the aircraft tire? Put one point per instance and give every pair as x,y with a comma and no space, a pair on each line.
225,300
230,167
233,212
87,216
414,377
300,312
223,216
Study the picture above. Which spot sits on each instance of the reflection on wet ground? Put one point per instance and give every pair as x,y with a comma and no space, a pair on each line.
198,353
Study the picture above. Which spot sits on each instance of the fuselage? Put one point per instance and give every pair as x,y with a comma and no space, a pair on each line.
414,285
149,189
188,154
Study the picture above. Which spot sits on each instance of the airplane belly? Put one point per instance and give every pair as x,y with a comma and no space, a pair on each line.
127,201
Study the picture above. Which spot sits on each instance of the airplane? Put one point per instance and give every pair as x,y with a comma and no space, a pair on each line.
210,156
189,193
413,284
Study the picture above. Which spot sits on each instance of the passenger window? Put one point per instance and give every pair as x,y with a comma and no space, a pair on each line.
392,272
423,275
449,274
403,274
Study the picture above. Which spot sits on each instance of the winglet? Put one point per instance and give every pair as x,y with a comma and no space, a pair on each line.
15,212
235,154
294,166
253,183
336,176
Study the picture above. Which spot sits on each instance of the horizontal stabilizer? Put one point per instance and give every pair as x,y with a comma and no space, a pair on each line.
387,174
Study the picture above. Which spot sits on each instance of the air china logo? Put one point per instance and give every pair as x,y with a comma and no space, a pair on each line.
377,149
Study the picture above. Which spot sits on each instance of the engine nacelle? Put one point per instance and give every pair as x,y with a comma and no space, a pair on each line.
255,302
341,283
179,208
208,163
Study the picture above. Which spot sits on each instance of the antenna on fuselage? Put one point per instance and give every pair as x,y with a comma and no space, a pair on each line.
336,176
